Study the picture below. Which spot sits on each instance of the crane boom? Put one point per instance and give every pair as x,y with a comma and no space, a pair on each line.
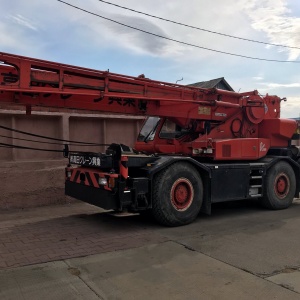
32,81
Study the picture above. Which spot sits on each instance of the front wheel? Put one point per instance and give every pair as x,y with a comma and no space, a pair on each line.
177,195
280,186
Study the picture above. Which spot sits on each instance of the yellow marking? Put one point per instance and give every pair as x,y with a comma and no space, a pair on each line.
204,110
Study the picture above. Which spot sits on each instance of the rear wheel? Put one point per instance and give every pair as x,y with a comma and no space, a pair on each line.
280,186
177,195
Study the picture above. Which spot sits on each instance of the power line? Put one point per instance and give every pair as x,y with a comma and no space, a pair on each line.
65,151
53,143
51,138
29,148
177,41
198,28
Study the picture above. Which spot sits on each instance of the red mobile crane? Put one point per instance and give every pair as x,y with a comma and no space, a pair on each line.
197,146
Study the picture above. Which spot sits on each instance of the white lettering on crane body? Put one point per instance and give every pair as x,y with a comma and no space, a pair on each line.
82,160
262,147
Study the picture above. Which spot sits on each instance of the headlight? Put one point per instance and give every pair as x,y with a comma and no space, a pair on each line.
102,181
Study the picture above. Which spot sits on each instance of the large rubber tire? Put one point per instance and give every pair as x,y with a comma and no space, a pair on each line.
280,186
177,195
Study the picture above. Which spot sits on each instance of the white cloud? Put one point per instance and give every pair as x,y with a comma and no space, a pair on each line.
280,85
270,21
274,19
22,21
126,37
291,108
203,14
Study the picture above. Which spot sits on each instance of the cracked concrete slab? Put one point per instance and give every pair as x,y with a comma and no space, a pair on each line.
259,241
171,271
45,281
289,278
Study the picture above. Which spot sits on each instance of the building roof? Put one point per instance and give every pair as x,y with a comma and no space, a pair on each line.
219,83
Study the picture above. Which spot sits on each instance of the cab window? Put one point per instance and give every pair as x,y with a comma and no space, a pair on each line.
170,130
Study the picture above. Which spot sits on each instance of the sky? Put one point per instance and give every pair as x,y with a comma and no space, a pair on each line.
51,30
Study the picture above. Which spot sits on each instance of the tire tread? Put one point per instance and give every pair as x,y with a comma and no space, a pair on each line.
159,213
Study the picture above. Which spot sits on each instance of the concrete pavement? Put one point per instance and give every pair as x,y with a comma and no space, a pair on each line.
162,271
241,251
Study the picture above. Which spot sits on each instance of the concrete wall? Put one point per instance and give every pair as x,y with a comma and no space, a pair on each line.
32,178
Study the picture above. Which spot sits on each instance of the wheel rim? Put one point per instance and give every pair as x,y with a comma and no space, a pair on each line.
182,194
282,185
